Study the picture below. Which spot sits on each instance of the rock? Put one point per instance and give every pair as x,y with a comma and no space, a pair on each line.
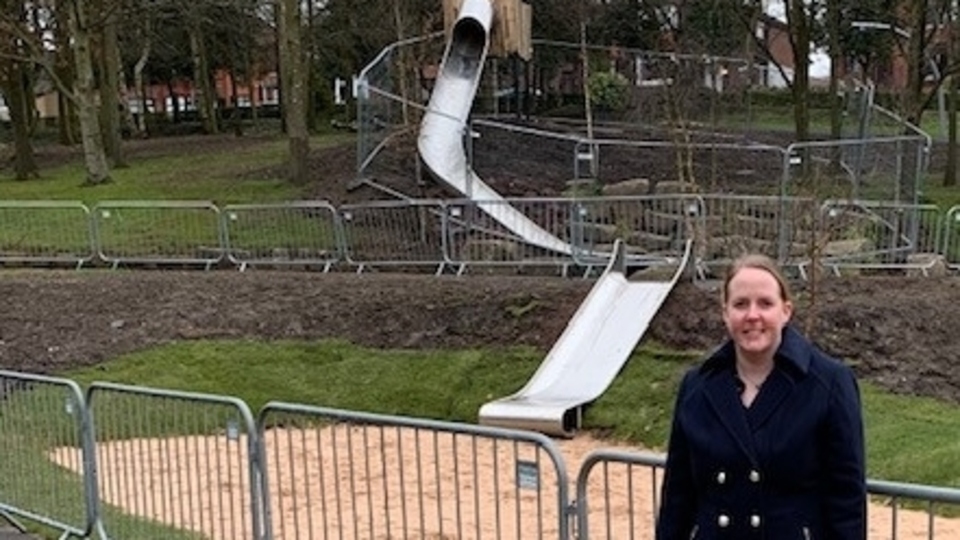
636,186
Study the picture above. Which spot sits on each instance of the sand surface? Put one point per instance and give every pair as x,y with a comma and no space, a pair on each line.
389,483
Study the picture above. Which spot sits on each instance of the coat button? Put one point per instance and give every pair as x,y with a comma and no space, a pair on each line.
754,521
754,476
721,477
723,521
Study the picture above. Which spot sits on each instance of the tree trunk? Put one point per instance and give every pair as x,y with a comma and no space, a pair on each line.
174,102
836,58
294,89
404,62
24,164
201,75
95,160
235,118
67,130
916,58
950,174
953,52
110,91
139,87
799,24
253,88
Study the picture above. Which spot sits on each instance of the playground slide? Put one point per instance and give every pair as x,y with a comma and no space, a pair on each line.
441,142
591,351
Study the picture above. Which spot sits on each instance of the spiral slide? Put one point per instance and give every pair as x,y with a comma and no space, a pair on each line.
442,129
601,335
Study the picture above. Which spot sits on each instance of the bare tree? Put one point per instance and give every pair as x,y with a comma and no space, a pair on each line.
86,94
950,173
294,86
111,79
18,91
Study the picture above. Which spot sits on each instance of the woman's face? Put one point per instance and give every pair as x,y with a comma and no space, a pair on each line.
755,313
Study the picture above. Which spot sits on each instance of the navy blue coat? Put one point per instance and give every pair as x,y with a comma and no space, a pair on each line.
789,467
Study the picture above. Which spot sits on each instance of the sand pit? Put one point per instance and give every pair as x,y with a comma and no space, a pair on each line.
388,483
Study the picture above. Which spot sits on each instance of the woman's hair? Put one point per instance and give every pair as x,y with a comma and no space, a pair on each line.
760,262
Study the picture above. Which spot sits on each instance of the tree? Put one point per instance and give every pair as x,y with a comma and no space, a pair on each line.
294,87
85,93
110,85
17,88
950,173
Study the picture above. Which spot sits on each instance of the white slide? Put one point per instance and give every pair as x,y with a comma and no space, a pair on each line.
596,343
441,140
607,326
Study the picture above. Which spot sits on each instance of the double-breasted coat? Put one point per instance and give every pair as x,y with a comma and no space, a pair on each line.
789,467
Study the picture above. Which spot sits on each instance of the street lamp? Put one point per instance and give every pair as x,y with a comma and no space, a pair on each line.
876,25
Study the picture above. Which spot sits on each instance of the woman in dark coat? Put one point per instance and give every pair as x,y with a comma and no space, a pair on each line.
767,436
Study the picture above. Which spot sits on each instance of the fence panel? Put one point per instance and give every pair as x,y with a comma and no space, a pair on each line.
901,522
950,245
390,102
292,233
618,498
511,232
877,234
884,169
45,232
174,464
710,162
43,474
339,474
653,227
144,232
780,227
395,233
618,495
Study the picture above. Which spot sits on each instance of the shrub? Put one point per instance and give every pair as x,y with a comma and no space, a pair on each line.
608,90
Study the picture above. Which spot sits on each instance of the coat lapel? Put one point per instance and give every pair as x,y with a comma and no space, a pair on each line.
776,388
723,398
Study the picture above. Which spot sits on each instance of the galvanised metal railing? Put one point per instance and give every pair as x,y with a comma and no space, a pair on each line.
455,234
173,461
46,232
617,494
134,462
338,473
44,432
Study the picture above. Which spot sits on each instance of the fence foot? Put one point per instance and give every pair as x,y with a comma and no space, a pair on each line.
12,521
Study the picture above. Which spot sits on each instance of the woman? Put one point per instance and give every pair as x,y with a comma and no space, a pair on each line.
767,436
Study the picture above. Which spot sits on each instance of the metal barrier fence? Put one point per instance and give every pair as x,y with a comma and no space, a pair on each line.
290,233
395,233
623,502
141,232
617,496
336,473
174,461
46,231
874,234
456,234
43,434
950,246
131,462
390,98
879,169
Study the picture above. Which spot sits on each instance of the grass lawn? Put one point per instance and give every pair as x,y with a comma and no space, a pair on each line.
204,175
